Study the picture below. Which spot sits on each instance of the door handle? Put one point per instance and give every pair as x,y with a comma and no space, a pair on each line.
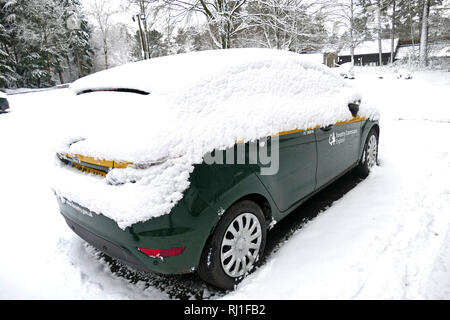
327,128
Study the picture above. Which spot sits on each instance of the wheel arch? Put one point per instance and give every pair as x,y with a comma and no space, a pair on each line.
376,127
258,198
261,201
365,130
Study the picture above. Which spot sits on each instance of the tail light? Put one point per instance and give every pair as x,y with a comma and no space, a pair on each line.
162,253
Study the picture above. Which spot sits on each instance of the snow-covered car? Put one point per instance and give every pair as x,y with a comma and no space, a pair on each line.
183,163
4,104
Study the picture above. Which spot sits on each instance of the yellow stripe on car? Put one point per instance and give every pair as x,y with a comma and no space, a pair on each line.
76,161
99,162
283,133
75,158
355,119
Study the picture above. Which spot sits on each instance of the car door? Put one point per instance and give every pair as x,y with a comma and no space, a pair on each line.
337,149
296,174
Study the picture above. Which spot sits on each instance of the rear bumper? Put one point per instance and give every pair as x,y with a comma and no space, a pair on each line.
107,247
177,229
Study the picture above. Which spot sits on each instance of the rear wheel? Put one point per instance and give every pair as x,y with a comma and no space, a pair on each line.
369,156
234,249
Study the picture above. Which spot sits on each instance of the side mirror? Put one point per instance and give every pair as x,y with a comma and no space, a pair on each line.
354,108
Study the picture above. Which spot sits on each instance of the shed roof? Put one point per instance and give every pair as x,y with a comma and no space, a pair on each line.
370,47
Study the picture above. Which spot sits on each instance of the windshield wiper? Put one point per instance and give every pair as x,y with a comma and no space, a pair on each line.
128,90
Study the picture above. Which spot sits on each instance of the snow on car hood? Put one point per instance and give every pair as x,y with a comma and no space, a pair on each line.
197,102
3,95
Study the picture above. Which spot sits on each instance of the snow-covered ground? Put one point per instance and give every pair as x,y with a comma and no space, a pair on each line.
386,238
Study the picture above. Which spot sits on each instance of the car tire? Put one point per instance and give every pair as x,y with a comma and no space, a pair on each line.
239,238
369,156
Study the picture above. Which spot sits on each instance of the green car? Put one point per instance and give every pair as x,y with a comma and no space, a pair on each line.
218,228
4,105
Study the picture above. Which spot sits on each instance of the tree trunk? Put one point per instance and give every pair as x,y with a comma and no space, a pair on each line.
77,55
145,33
144,43
352,43
49,65
105,51
393,31
69,66
380,48
413,32
61,79
424,34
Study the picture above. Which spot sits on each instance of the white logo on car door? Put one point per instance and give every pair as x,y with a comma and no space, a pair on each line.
332,139
339,138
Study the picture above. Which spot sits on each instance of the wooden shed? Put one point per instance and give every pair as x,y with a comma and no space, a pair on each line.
367,53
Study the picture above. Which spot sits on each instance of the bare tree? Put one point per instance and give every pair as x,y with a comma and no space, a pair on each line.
376,9
345,14
224,18
101,11
283,24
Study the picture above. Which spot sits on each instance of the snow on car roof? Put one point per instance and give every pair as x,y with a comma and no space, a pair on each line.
170,73
3,95
198,102
238,94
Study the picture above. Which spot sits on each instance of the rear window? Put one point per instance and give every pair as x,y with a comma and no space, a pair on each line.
128,90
